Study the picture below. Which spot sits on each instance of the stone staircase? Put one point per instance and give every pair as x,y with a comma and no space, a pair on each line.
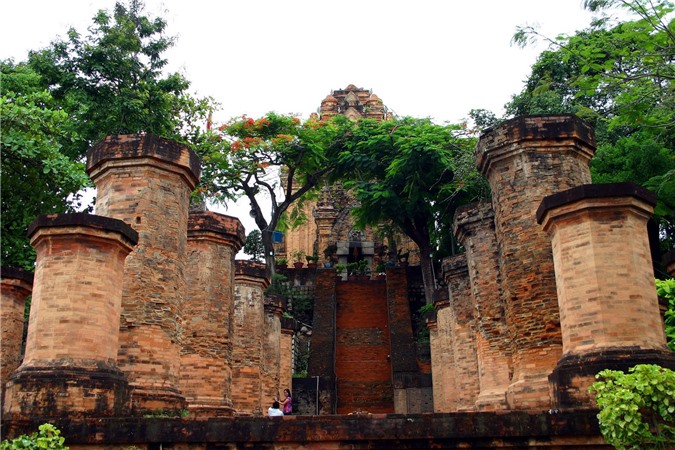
362,361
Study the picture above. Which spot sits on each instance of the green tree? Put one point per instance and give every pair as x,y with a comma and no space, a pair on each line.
618,75
254,246
412,174
36,176
637,409
70,95
276,159
111,80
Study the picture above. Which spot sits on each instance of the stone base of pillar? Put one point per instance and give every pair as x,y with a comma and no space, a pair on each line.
164,401
529,388
69,388
574,374
209,412
494,400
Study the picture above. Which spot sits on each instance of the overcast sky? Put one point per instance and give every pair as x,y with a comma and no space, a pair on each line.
423,58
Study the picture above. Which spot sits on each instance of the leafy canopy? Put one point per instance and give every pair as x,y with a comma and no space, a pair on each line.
410,173
275,158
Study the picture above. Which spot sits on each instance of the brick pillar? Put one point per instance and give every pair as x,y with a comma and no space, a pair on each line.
247,338
462,330
609,310
526,159
206,376
146,181
17,285
70,363
442,358
271,362
288,326
475,229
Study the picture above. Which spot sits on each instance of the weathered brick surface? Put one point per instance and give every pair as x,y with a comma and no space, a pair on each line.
213,241
526,159
442,358
16,285
362,349
475,228
604,278
71,347
247,338
271,357
146,181
462,330
669,262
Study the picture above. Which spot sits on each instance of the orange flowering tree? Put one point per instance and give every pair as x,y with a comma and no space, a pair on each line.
275,158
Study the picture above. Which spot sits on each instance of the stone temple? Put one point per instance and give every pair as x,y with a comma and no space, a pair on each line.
145,332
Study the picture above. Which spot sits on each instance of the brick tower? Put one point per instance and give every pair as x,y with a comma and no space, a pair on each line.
213,241
70,366
524,160
146,181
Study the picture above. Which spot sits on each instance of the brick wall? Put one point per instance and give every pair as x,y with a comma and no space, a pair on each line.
444,373
362,352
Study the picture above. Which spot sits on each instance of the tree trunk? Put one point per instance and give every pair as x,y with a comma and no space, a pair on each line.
426,264
269,253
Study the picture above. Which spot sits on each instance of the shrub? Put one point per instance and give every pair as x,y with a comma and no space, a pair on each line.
48,437
637,410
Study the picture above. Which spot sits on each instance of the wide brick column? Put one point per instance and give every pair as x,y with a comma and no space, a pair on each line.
17,285
475,229
288,327
462,329
70,367
146,181
247,338
206,376
443,369
609,309
271,361
526,159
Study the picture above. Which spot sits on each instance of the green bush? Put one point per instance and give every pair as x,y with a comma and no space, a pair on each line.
666,289
637,410
48,437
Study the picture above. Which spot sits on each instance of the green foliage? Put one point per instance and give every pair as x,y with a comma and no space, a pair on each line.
618,75
637,410
666,289
48,437
161,413
37,176
70,95
412,174
276,157
254,246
